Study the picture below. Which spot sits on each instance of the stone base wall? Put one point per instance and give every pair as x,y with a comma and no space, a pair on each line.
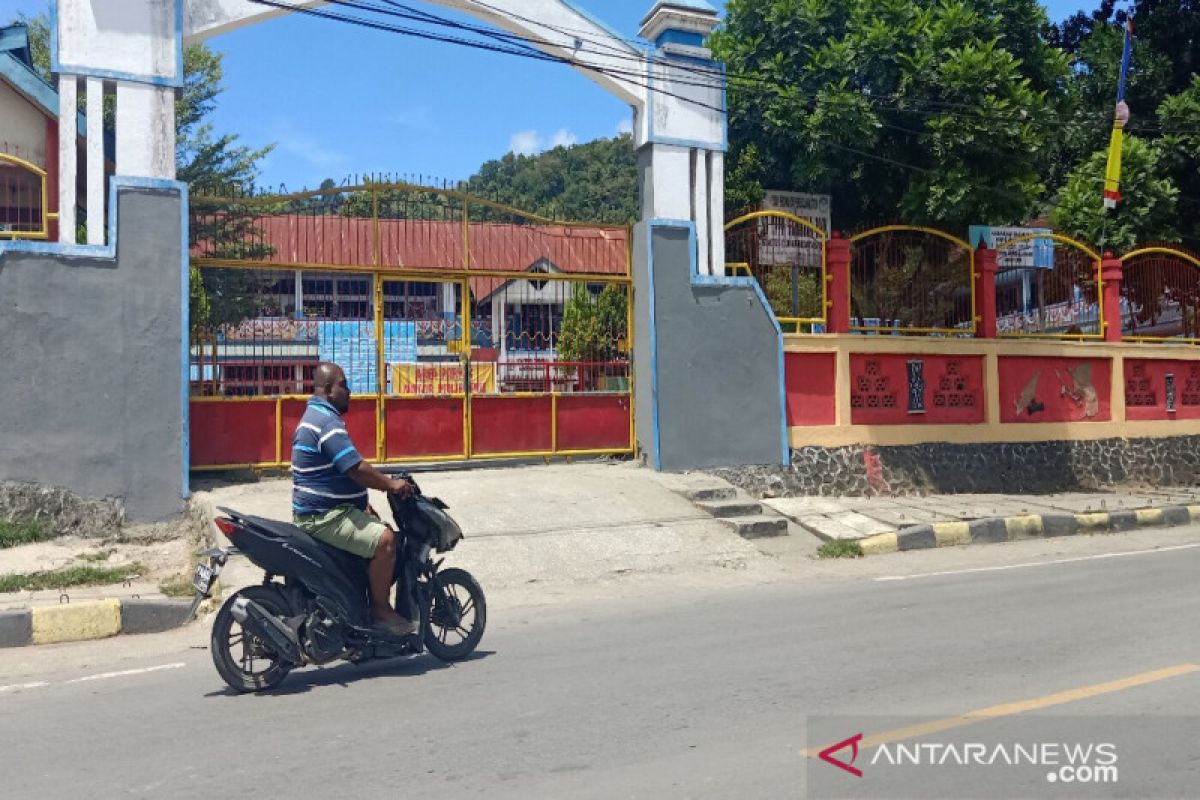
1010,468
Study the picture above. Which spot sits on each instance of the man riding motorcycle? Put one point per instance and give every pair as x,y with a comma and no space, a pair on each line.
329,494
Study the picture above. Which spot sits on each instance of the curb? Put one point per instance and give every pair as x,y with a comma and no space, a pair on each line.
1029,526
90,619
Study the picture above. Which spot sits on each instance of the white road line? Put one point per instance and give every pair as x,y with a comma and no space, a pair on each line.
106,675
1038,563
16,687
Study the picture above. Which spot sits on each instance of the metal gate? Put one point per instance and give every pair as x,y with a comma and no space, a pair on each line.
466,329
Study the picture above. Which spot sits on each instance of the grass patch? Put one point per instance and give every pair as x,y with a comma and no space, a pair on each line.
840,548
18,532
100,555
68,577
177,587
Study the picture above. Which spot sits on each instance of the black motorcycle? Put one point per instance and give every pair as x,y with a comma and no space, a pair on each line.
313,606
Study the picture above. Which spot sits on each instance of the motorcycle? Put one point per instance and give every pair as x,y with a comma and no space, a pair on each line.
313,606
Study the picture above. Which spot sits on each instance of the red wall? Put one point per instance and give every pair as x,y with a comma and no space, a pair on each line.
1036,389
952,391
510,424
809,380
233,432
593,422
423,426
1146,389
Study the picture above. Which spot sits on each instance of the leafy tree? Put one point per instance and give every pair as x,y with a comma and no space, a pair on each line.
936,113
777,286
593,327
1179,116
591,182
1147,209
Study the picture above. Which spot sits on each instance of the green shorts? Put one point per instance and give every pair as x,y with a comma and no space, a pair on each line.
346,527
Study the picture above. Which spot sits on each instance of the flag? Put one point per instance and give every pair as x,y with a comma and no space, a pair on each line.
1112,173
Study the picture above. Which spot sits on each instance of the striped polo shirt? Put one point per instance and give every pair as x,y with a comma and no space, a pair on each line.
321,454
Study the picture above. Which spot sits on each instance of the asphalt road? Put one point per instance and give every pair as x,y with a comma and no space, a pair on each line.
666,694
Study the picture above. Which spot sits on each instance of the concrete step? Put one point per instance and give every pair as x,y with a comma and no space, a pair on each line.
730,508
758,526
710,493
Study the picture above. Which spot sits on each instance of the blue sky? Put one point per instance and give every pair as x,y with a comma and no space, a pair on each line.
338,99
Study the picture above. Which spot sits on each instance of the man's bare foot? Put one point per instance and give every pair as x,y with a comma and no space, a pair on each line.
393,623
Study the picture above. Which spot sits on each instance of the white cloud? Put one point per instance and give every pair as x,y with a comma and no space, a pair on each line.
528,143
562,138
624,125
292,140
525,143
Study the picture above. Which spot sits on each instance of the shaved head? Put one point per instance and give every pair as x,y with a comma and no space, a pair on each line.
326,375
329,382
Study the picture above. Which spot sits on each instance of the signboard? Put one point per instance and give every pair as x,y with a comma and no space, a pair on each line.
440,379
1029,254
351,345
780,241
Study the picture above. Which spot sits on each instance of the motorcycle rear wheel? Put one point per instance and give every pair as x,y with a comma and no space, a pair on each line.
457,616
227,634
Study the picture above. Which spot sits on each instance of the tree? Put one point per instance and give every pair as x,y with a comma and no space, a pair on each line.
593,327
937,113
1179,116
1147,209
593,182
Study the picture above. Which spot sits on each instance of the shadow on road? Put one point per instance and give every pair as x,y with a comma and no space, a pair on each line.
344,674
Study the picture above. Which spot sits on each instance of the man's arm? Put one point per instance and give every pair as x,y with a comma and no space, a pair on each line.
368,477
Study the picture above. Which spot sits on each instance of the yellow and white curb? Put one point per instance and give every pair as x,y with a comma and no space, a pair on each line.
1026,526
92,619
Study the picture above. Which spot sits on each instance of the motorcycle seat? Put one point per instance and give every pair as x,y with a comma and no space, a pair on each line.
286,530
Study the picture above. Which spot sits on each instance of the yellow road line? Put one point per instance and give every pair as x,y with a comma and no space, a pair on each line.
1018,707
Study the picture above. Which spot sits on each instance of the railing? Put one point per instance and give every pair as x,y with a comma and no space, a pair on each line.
23,202
1160,292
1057,295
786,255
911,280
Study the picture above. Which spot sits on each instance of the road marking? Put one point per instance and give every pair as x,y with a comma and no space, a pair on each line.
1038,563
106,675
16,687
1019,707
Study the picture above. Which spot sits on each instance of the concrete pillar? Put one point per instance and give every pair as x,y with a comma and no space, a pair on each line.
716,205
837,267
985,293
145,131
700,213
95,161
1110,273
52,177
68,105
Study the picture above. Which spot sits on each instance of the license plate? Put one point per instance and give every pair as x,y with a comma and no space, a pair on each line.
203,579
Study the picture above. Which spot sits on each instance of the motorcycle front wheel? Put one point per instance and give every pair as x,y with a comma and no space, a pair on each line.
241,658
457,616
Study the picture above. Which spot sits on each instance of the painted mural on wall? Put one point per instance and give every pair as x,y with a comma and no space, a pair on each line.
916,389
1160,389
1055,389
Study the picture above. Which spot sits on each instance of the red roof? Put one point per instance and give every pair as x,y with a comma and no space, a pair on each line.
436,245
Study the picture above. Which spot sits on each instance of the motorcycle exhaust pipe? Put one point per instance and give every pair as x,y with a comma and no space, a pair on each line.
269,628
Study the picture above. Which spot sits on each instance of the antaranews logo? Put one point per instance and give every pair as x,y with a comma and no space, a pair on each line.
1068,762
827,756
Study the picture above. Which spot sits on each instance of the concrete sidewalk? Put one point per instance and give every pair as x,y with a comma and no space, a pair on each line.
857,518
539,524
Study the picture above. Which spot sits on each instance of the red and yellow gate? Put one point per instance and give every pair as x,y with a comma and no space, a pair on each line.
467,329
